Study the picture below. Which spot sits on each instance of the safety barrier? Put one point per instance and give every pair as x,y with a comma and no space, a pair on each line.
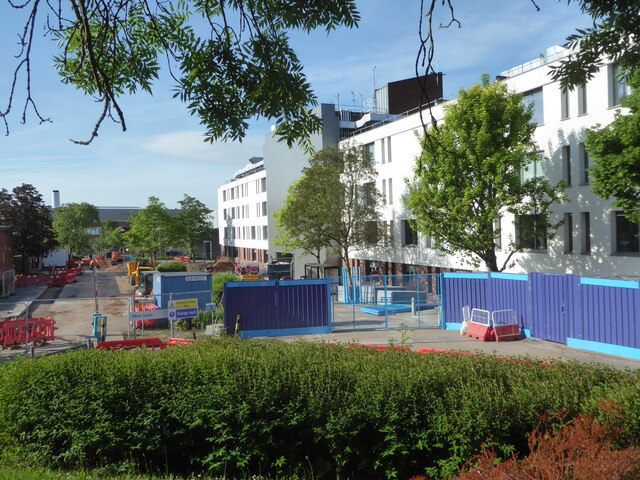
58,276
182,259
148,343
14,332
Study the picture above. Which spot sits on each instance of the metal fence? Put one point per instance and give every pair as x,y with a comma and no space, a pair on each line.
588,313
371,302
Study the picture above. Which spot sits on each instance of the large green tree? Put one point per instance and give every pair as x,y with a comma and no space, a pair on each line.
332,205
70,222
192,224
152,230
110,236
470,173
230,60
23,210
615,153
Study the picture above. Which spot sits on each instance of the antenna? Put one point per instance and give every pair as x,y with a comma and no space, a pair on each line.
374,80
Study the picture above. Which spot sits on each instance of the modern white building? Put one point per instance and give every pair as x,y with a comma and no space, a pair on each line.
595,239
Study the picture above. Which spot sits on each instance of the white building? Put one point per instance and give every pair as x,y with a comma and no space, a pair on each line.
595,239
243,221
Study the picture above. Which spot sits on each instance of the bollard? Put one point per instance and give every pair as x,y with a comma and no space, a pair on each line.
237,324
413,305
89,344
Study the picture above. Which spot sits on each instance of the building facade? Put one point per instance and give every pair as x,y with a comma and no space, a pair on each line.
595,238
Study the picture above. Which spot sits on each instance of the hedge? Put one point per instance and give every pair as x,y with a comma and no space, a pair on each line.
231,407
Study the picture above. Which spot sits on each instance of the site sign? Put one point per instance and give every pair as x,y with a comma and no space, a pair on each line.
179,309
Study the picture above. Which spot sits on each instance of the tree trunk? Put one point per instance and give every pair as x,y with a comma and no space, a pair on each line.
491,261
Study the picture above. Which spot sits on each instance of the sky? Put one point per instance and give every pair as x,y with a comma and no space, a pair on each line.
162,153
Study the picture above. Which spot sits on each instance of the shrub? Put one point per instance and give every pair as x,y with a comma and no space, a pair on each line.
232,407
172,267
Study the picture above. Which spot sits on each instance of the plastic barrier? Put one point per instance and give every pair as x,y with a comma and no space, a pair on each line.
480,326
70,276
14,332
508,329
182,259
172,342
22,280
149,343
57,279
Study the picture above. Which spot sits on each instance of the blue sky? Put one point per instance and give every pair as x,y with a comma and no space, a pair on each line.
162,152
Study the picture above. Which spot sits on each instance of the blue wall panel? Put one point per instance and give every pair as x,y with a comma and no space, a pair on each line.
296,305
512,292
463,289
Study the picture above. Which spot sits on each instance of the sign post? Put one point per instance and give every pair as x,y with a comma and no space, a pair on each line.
179,309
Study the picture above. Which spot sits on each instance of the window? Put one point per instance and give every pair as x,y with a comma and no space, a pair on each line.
384,192
566,164
582,99
534,97
409,235
367,193
390,186
497,232
369,151
534,169
383,143
264,232
531,232
263,184
253,233
568,233
618,88
585,240
371,233
627,233
231,191
224,195
388,149
564,103
584,164
264,209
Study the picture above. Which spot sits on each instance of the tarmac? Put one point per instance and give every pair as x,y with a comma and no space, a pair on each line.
74,329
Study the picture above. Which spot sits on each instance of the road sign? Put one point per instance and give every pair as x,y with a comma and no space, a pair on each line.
210,307
179,309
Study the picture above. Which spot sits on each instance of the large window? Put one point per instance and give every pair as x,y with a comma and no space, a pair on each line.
585,233
566,164
584,164
627,233
534,97
367,193
618,88
409,235
371,233
531,232
568,233
370,151
534,169
564,103
582,99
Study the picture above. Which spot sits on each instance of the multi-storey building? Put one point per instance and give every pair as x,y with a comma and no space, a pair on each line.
595,238
247,223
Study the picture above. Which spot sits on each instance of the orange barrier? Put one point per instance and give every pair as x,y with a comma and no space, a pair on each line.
182,259
13,332
22,280
172,342
149,343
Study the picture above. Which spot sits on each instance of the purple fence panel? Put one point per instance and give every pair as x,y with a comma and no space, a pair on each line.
460,289
278,307
511,291
609,311
555,306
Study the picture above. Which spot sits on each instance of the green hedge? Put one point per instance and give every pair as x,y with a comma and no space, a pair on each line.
230,407
172,267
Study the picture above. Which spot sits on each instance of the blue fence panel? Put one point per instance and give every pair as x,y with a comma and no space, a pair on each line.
460,289
610,309
511,291
278,308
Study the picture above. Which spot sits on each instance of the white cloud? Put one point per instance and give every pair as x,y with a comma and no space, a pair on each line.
189,145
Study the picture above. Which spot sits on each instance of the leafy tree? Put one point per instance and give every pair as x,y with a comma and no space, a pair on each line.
615,153
192,223
70,223
470,173
231,61
332,205
152,230
30,220
110,236
613,35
